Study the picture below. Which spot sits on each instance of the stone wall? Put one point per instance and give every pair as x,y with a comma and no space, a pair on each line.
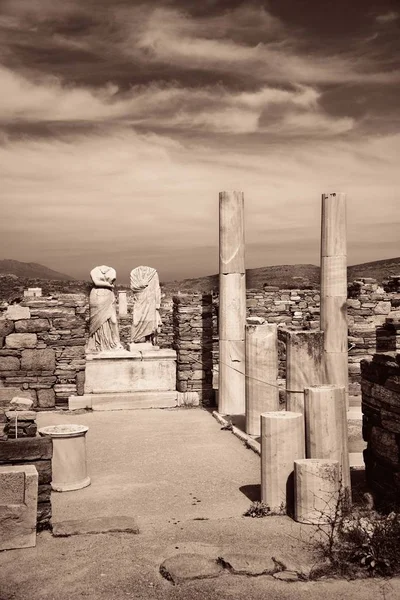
42,348
194,321
381,426
38,452
165,338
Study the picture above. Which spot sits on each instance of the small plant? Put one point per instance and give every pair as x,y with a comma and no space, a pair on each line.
257,510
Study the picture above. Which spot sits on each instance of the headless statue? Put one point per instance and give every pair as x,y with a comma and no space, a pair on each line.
146,305
103,325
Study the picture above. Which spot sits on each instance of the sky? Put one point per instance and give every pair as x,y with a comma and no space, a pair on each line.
121,121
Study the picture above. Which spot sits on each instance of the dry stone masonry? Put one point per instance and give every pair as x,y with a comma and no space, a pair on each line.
381,425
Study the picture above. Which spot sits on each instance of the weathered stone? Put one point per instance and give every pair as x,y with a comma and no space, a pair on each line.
96,525
15,312
38,360
19,403
8,393
21,415
80,383
6,327
248,564
185,566
32,325
382,308
34,449
18,516
53,312
288,576
21,340
46,398
9,363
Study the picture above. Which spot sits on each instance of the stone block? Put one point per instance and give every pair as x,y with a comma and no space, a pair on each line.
8,393
46,398
32,325
382,308
30,449
21,340
38,360
9,363
18,506
80,383
6,327
19,403
21,415
15,312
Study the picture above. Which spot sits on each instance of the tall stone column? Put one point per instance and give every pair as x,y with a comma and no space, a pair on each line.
334,289
232,304
304,365
262,393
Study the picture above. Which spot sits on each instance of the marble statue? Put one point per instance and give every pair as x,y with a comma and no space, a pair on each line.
103,326
146,305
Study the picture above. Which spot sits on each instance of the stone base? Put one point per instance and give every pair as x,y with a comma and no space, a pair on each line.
124,401
18,505
142,347
128,372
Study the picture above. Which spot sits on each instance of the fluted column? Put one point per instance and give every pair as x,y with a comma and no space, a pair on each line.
232,304
262,393
282,442
334,289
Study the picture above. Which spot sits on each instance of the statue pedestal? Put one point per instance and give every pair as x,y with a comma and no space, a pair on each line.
121,380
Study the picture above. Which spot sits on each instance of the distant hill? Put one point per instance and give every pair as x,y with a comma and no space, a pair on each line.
289,276
31,271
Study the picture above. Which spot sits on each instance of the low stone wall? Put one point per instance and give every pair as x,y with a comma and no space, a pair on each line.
42,348
37,452
381,426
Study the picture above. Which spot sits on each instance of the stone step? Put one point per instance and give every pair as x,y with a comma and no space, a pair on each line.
124,401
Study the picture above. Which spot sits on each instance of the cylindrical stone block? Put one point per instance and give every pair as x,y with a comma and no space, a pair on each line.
122,304
231,232
334,324
282,442
69,469
304,365
232,306
316,490
333,225
326,428
262,393
231,379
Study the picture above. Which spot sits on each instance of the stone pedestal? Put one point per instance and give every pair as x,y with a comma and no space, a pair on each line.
316,490
262,393
18,506
326,428
69,470
282,442
122,380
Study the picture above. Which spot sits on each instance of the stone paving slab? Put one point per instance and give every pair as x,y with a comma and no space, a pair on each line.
95,525
183,567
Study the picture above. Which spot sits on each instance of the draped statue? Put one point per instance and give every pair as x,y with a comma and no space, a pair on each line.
146,322
103,324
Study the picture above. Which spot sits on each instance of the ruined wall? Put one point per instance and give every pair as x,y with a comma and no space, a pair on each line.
194,321
381,426
42,348
38,452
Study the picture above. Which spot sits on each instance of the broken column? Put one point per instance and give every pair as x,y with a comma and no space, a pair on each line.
282,442
316,483
304,365
334,289
262,393
232,304
326,428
